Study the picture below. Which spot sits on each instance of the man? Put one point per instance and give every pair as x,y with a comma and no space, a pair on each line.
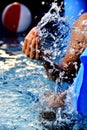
77,44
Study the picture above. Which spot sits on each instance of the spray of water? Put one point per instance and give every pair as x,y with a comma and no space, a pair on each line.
54,31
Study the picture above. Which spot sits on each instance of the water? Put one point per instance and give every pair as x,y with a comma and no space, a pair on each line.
53,32
23,83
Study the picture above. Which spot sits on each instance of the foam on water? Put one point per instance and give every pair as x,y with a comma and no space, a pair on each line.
21,81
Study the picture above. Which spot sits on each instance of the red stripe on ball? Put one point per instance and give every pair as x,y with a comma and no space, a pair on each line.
11,17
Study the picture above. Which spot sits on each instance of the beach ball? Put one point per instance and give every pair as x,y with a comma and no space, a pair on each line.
16,17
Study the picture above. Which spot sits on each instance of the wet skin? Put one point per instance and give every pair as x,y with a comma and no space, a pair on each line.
77,44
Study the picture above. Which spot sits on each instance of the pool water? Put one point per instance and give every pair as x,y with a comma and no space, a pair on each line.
21,82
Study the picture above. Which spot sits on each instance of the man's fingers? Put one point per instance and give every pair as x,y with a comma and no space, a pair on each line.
28,46
31,44
32,49
24,46
37,49
34,32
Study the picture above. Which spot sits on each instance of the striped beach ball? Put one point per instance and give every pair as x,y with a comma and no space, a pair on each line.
16,17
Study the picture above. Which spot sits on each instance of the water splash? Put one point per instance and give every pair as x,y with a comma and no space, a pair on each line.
53,32
19,87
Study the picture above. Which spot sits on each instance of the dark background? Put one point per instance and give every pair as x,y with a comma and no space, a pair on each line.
35,6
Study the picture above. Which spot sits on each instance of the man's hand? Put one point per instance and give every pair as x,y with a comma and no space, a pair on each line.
31,44
56,99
